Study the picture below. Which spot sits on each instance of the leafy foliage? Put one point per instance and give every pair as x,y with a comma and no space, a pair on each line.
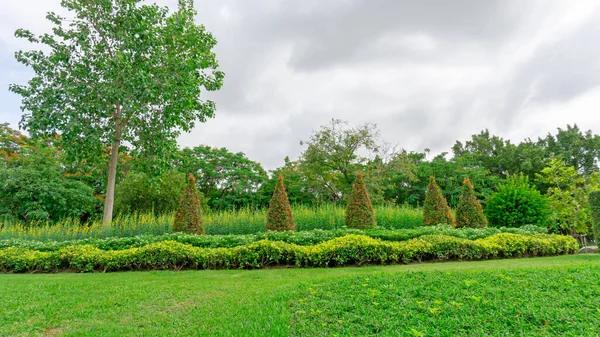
594,200
435,209
469,212
517,203
12,144
189,214
568,197
279,214
489,151
359,210
33,188
579,150
118,71
138,193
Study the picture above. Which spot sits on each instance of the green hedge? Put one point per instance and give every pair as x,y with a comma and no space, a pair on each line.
300,238
346,250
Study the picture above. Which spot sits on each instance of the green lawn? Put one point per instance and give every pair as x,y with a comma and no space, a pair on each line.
283,302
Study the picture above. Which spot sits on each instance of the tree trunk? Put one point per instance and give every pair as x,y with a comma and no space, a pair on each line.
112,175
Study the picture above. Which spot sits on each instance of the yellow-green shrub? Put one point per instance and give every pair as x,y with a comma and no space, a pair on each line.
350,249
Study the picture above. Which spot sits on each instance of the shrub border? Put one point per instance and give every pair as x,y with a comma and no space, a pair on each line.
347,250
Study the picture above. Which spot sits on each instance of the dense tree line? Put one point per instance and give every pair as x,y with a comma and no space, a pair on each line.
560,165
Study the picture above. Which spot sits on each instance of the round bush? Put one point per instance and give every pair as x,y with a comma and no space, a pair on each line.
517,203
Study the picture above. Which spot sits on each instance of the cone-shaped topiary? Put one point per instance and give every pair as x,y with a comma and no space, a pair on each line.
189,215
359,210
469,212
279,215
435,209
594,200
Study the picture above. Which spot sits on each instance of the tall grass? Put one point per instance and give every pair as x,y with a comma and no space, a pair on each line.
122,226
247,221
244,221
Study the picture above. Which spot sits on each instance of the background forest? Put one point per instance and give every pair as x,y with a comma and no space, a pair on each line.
40,185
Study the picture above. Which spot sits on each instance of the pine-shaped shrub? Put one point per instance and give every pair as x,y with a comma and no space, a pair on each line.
359,210
189,215
469,212
279,215
594,200
435,209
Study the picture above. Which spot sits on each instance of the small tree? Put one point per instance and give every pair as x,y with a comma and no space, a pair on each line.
279,215
435,209
594,200
189,215
469,212
359,211
567,197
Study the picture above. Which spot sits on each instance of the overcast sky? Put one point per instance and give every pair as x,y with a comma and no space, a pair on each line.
427,73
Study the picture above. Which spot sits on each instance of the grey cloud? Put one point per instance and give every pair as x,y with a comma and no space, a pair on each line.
426,72
568,68
350,30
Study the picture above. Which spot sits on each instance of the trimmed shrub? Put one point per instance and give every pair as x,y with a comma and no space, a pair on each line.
435,208
189,214
517,203
469,212
346,250
359,210
279,215
594,201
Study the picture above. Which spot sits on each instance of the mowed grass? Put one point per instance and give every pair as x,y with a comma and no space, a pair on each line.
513,297
542,302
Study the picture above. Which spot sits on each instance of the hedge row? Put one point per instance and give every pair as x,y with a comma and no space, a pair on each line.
306,238
349,249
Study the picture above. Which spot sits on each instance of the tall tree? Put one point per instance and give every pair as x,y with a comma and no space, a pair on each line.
487,150
332,154
577,149
229,180
118,72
